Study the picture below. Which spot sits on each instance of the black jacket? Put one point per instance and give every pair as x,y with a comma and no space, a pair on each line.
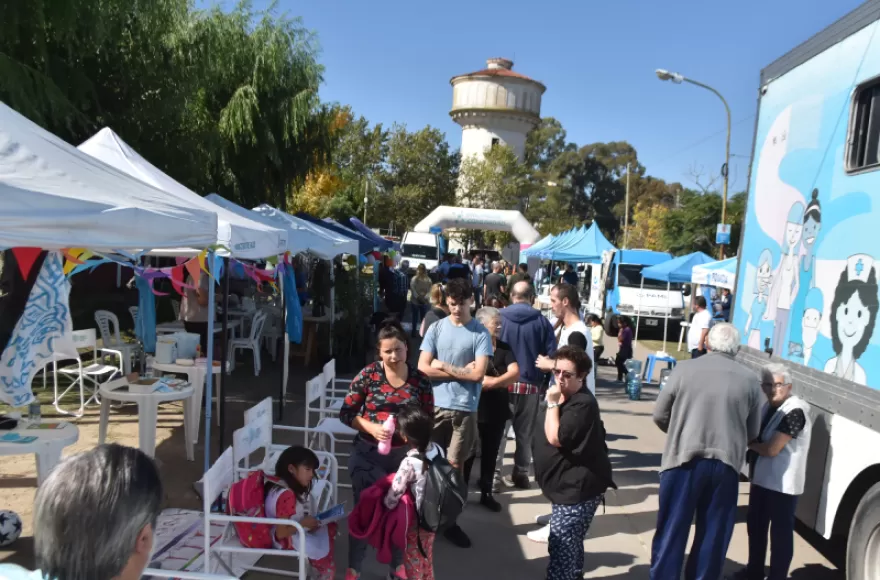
579,469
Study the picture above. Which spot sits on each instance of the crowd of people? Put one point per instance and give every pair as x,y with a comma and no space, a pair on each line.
476,376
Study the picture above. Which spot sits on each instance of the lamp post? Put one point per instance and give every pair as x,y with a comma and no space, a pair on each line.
665,75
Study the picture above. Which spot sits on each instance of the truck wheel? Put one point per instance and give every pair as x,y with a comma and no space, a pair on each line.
611,328
863,546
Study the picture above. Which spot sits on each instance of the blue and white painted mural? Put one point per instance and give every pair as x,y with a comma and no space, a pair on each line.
810,259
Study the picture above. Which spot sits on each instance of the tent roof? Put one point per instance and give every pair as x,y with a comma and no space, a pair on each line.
540,244
304,236
358,226
244,237
677,269
563,240
588,248
721,273
53,196
364,245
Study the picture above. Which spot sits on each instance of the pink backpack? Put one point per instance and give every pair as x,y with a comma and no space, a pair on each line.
247,497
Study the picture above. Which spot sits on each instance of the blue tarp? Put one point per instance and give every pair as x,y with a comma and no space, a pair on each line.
588,248
364,245
677,269
381,243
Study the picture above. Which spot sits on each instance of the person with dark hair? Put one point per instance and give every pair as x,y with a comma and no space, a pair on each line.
807,265
578,340
597,335
698,333
296,467
455,355
420,301
530,335
569,276
565,303
853,316
457,270
95,517
416,428
624,345
571,461
521,275
381,389
495,284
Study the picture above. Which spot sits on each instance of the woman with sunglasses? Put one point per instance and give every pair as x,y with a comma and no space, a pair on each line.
571,461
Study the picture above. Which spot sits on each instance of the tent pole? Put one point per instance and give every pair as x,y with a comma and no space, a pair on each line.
282,388
639,309
332,303
209,363
666,318
221,391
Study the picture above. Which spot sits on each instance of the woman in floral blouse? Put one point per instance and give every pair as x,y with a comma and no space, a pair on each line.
380,389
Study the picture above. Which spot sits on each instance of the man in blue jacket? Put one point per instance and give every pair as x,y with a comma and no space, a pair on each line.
529,334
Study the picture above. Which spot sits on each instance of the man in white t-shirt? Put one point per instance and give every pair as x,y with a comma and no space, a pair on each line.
565,303
699,329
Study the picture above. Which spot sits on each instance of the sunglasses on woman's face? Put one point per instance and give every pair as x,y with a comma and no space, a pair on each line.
566,375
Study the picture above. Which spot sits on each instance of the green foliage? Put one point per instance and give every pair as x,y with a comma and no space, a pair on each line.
692,226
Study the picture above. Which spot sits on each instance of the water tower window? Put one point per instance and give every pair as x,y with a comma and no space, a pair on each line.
495,142
863,146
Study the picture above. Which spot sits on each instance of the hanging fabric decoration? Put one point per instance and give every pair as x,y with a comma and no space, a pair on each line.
145,325
294,311
177,274
44,328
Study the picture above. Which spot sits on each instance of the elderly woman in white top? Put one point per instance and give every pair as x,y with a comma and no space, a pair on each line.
779,460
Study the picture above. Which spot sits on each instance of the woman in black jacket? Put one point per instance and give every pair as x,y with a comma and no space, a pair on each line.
571,462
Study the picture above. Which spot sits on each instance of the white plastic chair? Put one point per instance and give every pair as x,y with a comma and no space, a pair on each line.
108,325
257,436
337,389
251,342
272,333
175,306
159,573
216,481
329,428
83,339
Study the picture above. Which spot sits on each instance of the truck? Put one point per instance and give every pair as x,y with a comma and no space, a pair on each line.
617,288
423,248
807,290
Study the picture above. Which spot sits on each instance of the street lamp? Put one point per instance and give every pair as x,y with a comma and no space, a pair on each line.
665,75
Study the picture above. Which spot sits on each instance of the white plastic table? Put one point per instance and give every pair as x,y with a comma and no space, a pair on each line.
47,447
177,326
148,412
195,374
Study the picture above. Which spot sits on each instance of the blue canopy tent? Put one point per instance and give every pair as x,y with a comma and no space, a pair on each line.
721,274
364,245
588,248
678,270
534,250
358,226
562,241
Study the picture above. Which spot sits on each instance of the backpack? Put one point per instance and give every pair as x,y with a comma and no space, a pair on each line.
247,497
444,497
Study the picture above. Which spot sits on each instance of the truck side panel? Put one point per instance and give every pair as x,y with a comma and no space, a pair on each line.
807,282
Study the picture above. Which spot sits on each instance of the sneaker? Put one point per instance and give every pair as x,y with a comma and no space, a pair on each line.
517,480
457,536
541,536
489,502
543,520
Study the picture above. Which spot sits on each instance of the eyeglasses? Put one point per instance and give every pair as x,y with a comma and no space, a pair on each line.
773,385
566,375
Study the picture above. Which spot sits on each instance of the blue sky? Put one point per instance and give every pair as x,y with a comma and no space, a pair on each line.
392,61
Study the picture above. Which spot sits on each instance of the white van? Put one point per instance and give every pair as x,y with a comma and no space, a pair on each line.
422,248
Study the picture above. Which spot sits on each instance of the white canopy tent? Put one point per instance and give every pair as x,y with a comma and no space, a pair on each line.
53,196
245,238
302,236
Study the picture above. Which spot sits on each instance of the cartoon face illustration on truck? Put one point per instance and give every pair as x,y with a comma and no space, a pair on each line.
806,280
759,304
809,327
853,315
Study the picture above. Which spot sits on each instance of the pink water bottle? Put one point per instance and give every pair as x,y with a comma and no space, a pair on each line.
388,425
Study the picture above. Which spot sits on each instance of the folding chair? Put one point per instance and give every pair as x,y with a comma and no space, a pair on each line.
257,435
217,481
83,339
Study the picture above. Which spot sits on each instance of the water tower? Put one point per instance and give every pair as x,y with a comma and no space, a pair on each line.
495,106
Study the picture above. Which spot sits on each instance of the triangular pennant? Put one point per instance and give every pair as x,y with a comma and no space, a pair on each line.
177,279
156,292
192,267
25,257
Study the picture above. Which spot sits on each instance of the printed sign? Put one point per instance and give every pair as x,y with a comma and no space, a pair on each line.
722,234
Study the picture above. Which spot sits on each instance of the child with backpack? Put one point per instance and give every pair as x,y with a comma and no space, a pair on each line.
416,427
285,496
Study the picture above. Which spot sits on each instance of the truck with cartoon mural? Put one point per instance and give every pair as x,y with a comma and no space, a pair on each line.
809,264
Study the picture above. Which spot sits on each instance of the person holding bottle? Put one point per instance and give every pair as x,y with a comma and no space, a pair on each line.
380,390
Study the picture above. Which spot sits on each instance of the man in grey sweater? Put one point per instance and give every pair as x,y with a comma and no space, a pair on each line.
710,411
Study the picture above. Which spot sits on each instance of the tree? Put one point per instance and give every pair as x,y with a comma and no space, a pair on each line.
646,227
692,226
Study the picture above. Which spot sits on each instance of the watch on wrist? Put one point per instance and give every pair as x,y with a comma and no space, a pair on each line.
552,405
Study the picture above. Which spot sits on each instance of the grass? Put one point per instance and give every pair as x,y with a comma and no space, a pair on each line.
671,348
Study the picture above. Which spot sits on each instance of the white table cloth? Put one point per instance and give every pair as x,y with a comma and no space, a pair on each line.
47,447
148,413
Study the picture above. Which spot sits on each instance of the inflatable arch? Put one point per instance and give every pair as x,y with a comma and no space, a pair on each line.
447,218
